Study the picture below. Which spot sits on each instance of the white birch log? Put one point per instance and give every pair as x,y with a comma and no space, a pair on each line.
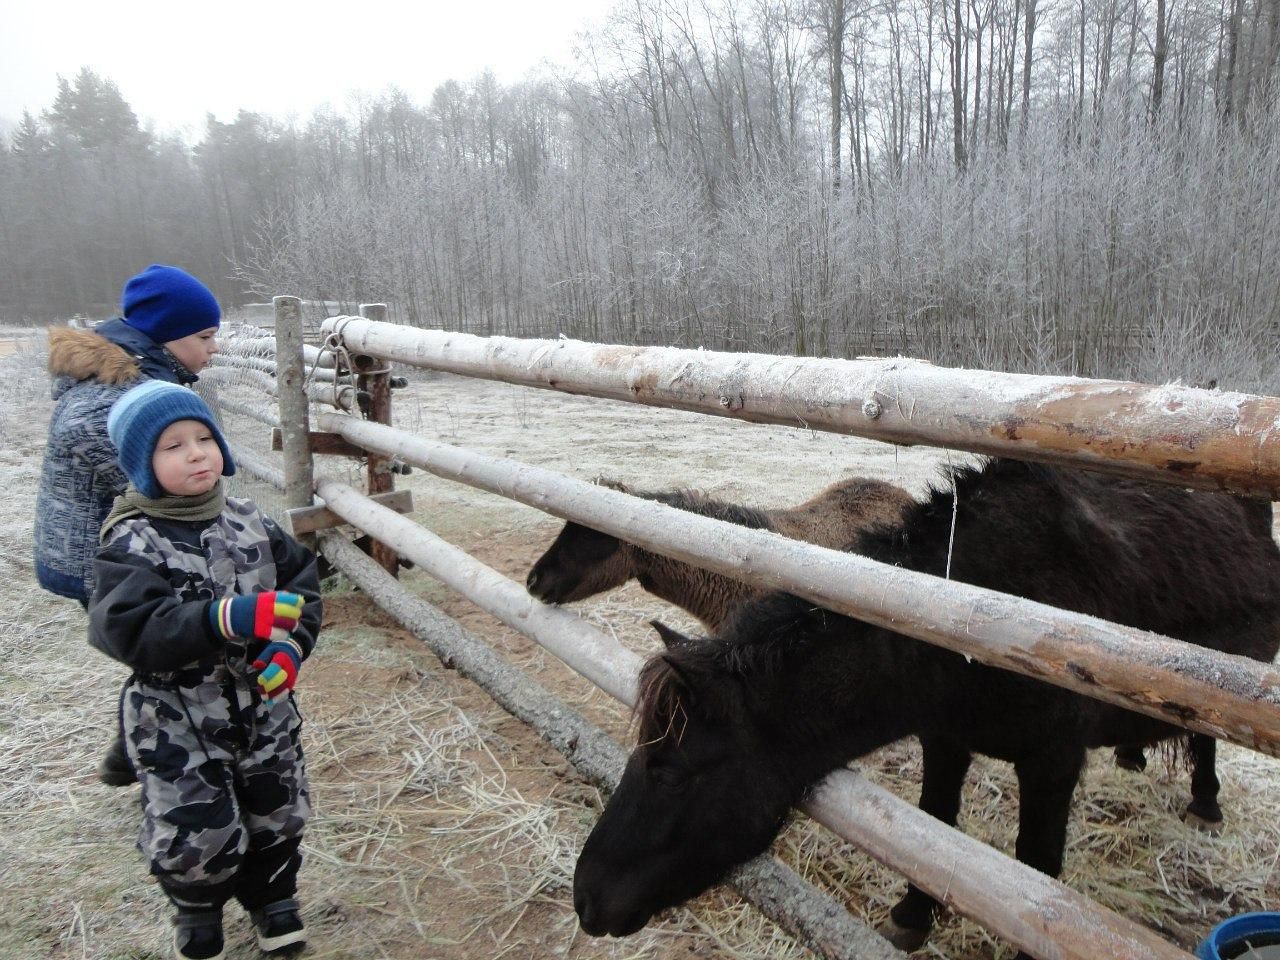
1173,434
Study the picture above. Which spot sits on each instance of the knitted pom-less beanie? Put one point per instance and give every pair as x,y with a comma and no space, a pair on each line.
139,417
167,303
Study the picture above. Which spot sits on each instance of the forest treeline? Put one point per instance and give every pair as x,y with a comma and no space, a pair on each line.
1082,186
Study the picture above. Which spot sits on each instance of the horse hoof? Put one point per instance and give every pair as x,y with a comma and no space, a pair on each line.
1203,824
904,938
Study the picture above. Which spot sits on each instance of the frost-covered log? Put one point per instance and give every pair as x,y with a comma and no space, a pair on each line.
255,466
341,396
268,366
291,387
262,346
602,660
1040,915
259,412
1177,434
1034,911
1226,696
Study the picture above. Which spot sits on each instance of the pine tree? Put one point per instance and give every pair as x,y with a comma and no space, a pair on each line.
29,140
94,113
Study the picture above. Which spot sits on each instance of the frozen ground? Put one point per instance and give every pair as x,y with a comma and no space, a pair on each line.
443,828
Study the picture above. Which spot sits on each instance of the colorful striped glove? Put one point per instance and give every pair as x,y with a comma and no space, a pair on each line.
277,667
268,616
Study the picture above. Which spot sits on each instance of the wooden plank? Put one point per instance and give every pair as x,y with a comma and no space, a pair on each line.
313,519
322,443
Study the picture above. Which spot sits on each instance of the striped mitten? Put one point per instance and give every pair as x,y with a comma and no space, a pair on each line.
271,615
277,667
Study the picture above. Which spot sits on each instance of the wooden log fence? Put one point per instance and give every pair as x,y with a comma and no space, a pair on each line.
260,346
1229,697
255,466
1031,910
263,365
341,396
1175,434
252,411
1171,434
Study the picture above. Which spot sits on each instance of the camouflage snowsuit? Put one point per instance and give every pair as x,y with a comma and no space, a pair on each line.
224,786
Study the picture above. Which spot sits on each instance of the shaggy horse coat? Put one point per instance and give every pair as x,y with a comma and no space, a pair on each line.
734,728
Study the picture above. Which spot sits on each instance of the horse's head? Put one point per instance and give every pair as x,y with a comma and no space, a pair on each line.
701,794
580,563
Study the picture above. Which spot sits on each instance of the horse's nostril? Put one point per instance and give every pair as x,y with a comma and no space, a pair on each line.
531,581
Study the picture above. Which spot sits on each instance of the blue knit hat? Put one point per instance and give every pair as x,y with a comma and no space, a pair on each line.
139,417
167,303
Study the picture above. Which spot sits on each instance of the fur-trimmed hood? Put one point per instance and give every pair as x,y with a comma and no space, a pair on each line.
113,353
83,355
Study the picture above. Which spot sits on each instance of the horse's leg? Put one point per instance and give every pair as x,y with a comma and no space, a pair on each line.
1045,786
1203,811
945,766
1130,756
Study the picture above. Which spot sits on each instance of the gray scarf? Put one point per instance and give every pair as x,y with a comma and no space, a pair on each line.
131,503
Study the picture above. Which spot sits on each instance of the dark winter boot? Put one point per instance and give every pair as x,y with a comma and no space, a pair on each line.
197,935
279,926
114,769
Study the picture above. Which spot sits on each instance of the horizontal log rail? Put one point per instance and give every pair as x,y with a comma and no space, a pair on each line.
1033,911
1226,696
268,366
264,346
256,467
602,660
260,412
1173,434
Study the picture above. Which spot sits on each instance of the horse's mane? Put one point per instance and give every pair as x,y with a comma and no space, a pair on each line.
751,648
887,542
695,501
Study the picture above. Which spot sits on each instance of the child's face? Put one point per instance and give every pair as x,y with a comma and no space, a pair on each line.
195,351
187,460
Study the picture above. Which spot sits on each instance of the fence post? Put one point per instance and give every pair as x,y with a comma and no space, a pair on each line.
292,396
373,379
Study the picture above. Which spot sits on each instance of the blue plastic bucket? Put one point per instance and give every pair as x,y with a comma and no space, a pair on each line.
1229,938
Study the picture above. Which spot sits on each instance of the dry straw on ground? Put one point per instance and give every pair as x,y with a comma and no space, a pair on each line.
443,828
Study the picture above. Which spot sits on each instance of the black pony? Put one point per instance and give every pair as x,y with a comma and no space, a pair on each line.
734,728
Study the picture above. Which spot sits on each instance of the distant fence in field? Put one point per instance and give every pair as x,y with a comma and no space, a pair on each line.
1173,434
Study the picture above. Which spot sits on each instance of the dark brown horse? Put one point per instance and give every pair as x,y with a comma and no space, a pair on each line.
734,728
582,562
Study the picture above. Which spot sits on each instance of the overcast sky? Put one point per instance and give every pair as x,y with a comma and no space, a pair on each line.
174,62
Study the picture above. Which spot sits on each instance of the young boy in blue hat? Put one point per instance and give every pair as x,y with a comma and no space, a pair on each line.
167,331
215,608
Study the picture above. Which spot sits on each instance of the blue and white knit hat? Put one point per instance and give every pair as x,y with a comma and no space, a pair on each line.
143,413
167,303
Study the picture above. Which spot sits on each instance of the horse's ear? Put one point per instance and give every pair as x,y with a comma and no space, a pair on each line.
612,484
670,638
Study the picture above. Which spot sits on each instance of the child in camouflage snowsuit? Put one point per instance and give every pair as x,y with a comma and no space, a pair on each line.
215,608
